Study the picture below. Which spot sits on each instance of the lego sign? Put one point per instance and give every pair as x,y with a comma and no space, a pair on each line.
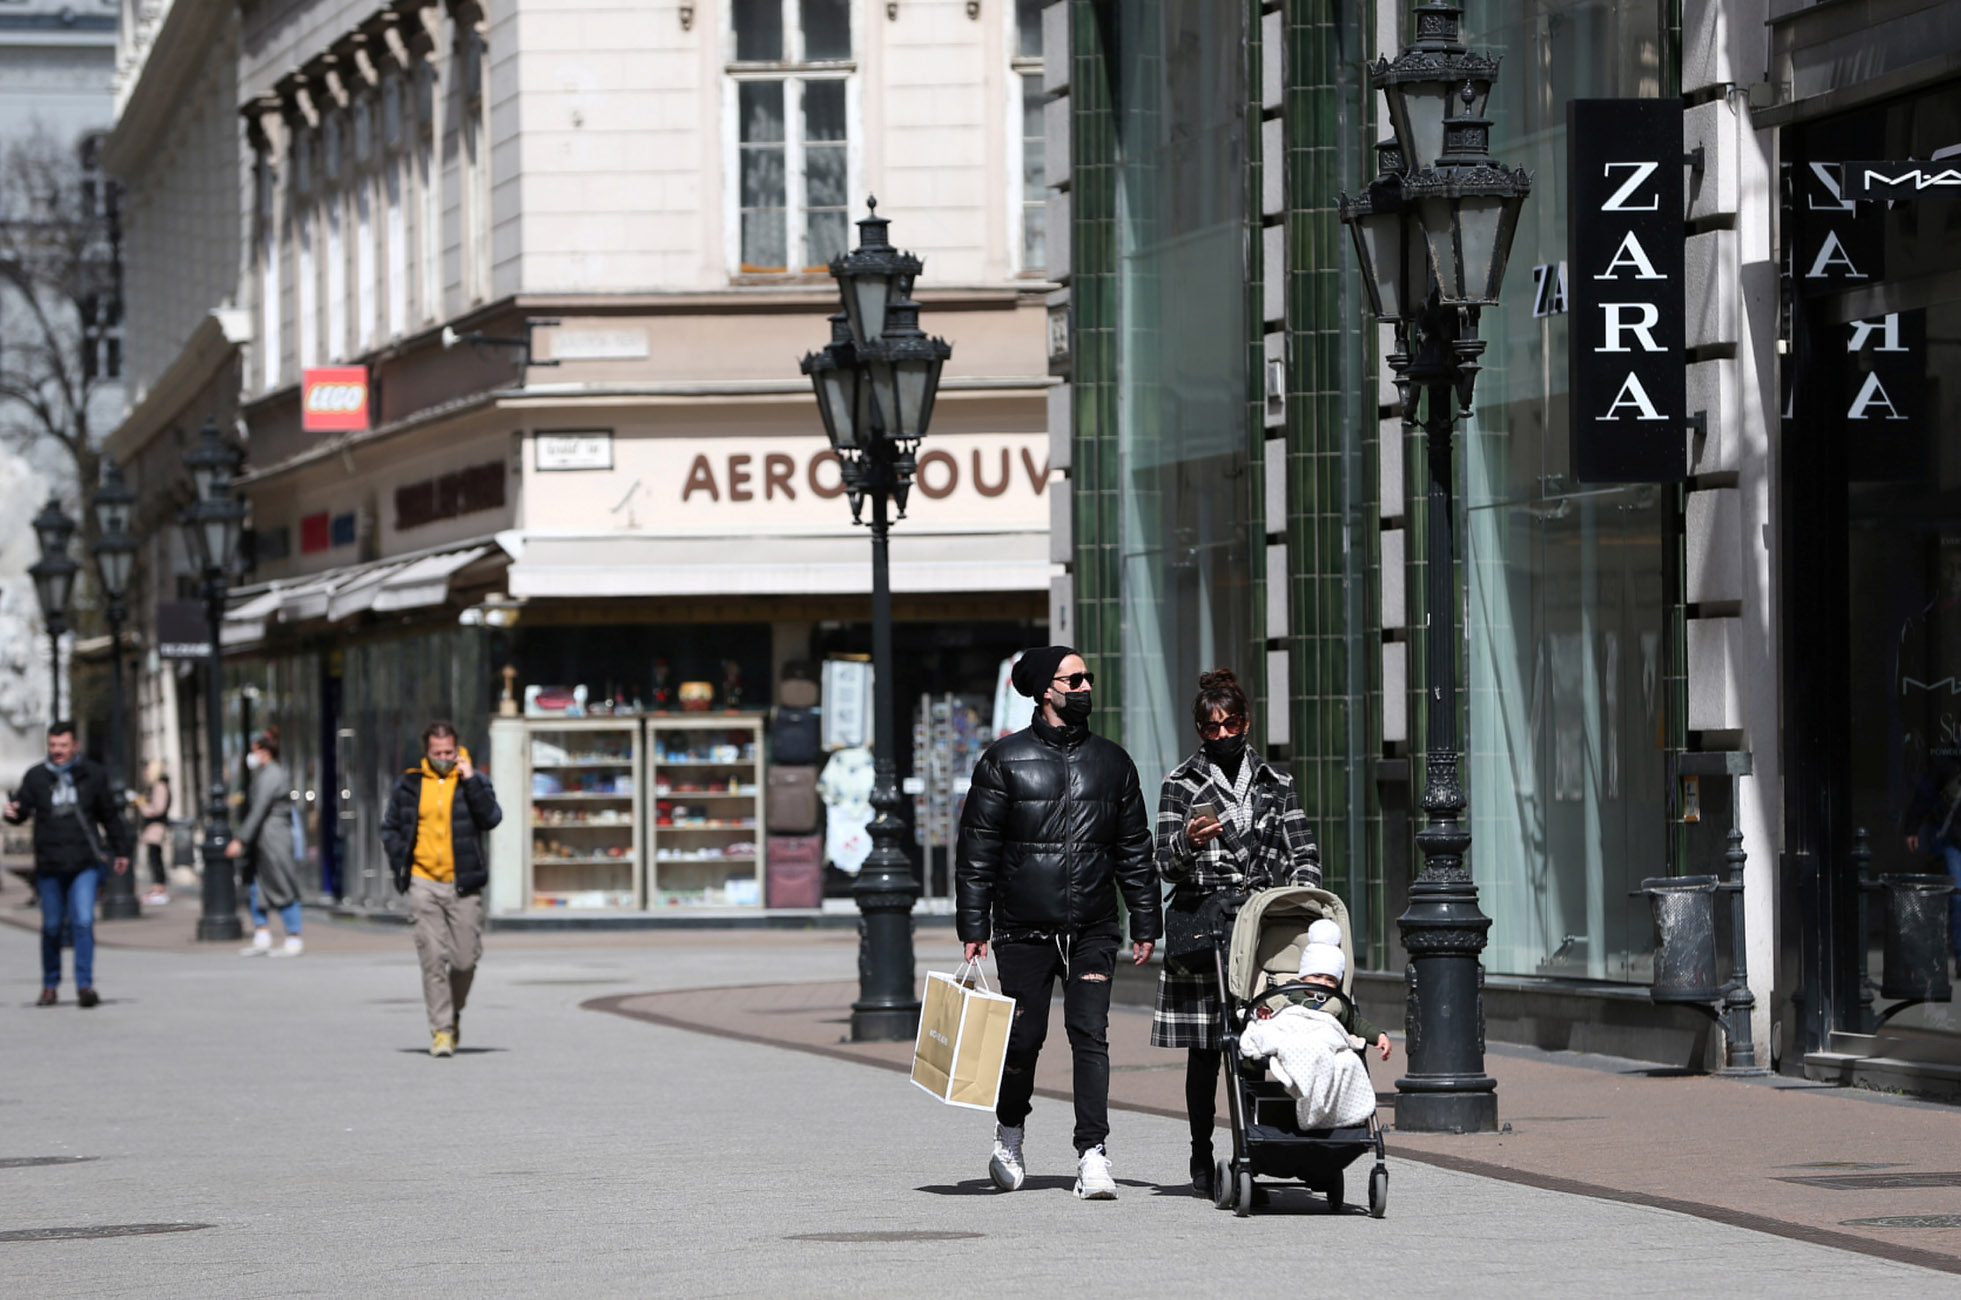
334,399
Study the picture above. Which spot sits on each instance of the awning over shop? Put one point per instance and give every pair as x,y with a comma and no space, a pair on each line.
773,566
408,582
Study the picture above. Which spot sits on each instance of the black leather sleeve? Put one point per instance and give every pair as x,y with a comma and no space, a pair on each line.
1136,870
977,858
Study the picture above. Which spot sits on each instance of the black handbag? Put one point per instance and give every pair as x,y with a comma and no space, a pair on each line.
1192,929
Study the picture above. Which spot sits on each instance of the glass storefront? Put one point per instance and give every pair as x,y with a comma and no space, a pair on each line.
1567,620
1875,304
1179,90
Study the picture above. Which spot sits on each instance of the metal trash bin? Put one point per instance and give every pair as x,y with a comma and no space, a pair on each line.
1685,938
1914,956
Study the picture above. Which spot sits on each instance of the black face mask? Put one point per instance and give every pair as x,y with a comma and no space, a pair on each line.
1074,709
1225,750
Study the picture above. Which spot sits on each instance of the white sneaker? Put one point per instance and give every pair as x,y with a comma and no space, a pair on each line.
293,947
1093,1180
1005,1166
261,944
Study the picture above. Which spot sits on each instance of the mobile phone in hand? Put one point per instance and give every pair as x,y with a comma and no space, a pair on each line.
1205,810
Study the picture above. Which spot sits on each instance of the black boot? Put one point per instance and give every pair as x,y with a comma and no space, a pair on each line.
1202,1169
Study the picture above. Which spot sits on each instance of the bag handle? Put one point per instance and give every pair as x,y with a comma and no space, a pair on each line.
980,974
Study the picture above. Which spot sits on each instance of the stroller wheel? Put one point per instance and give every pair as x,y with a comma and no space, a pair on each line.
1222,1185
1242,1204
1378,1192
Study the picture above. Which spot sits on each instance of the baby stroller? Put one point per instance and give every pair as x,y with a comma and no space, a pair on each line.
1266,935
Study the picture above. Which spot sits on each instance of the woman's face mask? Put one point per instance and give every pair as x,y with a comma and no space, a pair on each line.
255,760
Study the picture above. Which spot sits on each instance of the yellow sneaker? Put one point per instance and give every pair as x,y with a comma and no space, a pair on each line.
444,1044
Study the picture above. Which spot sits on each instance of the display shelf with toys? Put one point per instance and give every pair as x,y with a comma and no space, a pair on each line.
706,778
583,782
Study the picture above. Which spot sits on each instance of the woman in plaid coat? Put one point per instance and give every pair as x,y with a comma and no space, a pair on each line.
1260,839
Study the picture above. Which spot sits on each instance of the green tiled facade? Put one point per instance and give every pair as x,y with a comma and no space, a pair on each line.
1093,356
1329,431
1328,528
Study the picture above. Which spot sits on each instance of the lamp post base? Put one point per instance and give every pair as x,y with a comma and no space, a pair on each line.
1446,1089
1447,1111
219,929
219,923
119,903
898,1024
887,1010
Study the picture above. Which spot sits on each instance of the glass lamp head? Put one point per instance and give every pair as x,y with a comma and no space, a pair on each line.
871,277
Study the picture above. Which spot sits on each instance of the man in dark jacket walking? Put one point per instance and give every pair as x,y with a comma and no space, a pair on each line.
77,826
438,815
1053,830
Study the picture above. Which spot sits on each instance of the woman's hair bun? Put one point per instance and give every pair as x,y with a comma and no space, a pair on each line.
1217,680
272,732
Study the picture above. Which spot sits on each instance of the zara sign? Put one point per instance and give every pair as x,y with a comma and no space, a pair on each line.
1626,365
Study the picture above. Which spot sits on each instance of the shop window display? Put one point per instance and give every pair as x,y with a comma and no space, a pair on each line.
1185,536
1566,614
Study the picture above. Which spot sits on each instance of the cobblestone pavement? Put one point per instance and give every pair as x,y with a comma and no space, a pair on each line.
291,1106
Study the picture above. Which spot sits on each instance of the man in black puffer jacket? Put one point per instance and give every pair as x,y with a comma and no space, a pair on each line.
1053,829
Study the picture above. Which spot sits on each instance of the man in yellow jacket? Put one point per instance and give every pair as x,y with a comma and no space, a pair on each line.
438,815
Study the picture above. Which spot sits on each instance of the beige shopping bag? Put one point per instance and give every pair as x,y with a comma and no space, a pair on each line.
963,1039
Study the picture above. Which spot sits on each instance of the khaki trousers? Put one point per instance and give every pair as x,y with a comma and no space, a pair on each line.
449,940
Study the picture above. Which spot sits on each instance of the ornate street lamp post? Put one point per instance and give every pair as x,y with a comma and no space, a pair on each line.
875,383
115,558
54,583
211,526
1433,232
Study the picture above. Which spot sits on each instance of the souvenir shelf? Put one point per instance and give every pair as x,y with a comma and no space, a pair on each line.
582,842
705,790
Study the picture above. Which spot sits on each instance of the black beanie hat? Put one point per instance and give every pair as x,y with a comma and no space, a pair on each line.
1036,669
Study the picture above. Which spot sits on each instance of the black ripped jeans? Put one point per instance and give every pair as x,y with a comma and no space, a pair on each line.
1028,975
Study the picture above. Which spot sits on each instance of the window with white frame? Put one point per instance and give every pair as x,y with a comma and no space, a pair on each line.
306,273
792,98
1032,220
367,282
428,187
394,163
269,257
331,202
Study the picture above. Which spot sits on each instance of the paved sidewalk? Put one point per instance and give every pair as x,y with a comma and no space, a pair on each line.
286,1119
1763,1155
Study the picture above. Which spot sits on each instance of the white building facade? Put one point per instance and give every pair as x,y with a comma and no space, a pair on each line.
625,214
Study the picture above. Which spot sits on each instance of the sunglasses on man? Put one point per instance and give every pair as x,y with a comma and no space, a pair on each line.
1225,727
1076,681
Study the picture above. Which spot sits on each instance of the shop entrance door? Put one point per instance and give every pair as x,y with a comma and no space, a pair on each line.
1870,474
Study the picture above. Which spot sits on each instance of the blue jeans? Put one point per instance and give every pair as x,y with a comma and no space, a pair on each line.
289,915
1951,857
71,899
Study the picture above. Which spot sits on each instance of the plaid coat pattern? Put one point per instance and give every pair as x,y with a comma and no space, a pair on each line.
1279,848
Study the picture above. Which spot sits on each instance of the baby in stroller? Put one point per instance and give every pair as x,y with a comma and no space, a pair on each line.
1322,964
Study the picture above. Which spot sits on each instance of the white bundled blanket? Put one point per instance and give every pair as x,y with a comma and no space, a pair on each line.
1314,1057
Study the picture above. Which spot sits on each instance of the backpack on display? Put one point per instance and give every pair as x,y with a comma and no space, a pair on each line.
793,737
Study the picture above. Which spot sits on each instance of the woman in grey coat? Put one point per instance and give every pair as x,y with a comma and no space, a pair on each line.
267,832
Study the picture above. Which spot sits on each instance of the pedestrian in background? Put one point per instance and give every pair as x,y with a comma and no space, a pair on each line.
1053,831
77,827
266,835
434,828
154,808
1228,822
